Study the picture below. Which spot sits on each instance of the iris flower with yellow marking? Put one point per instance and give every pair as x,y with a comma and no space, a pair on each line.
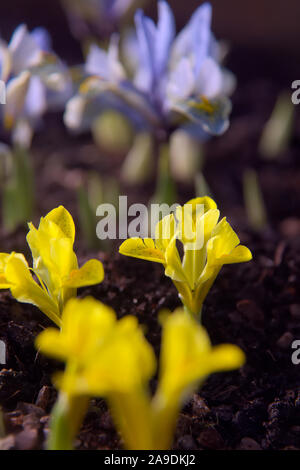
172,76
55,275
207,245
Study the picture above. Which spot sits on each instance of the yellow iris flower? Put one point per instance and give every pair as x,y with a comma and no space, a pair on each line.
111,358
55,276
207,244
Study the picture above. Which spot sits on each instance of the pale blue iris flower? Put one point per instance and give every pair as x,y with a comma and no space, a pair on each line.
36,81
173,77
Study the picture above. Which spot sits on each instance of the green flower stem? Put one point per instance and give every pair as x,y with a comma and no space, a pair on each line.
66,419
205,288
198,316
193,299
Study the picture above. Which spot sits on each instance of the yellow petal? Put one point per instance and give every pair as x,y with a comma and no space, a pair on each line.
50,343
174,267
164,232
224,248
63,219
61,259
185,227
195,223
4,284
53,255
125,362
210,220
225,357
240,254
25,289
143,249
184,345
90,273
228,237
106,355
52,252
3,259
187,356
208,203
223,241
85,325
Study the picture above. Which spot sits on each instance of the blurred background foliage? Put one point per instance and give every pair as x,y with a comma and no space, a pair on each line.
261,35
265,24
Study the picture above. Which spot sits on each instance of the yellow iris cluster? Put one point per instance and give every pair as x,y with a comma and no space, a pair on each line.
55,276
207,244
111,358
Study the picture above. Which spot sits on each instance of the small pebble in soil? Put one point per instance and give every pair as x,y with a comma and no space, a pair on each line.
106,421
186,442
285,340
8,442
295,311
27,439
44,397
251,312
247,443
210,438
200,407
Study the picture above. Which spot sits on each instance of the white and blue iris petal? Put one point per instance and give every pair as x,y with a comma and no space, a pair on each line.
36,80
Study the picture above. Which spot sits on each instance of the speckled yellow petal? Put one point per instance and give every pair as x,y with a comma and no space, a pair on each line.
61,217
143,249
90,273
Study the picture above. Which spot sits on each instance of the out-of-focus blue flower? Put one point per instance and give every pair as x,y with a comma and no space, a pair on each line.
97,17
107,87
36,81
173,76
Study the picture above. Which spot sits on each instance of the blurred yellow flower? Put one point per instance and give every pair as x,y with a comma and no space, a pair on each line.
186,359
187,356
111,358
106,355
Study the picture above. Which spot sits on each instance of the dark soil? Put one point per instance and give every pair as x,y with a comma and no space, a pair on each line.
254,305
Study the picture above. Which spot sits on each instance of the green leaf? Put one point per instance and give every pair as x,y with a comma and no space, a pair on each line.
254,201
18,191
138,165
277,132
201,186
165,188
87,219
